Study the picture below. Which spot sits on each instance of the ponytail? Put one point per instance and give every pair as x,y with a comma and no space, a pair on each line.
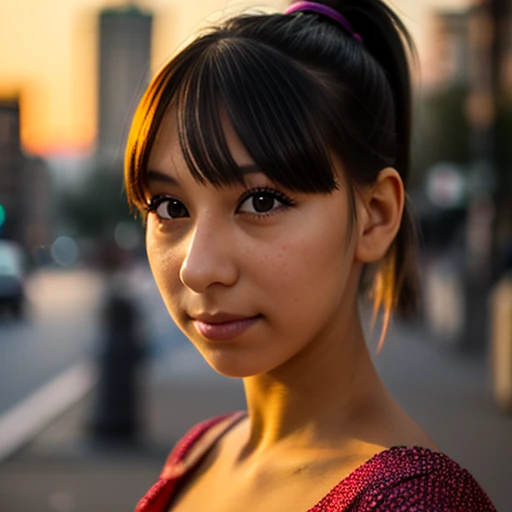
387,40
396,282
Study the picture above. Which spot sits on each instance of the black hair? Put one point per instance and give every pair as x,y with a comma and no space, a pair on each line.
297,89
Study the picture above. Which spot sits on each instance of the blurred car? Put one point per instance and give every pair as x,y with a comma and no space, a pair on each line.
12,277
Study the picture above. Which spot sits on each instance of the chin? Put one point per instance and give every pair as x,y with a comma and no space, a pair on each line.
235,366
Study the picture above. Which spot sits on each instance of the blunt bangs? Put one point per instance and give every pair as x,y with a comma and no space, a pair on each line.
273,104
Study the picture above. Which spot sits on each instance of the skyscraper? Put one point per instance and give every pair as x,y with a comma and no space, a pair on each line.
25,185
124,59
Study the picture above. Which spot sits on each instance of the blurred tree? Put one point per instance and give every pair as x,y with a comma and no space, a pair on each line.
98,205
503,148
441,132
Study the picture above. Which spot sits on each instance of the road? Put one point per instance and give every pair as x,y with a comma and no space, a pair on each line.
62,328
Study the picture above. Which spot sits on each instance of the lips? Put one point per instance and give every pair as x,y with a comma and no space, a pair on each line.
223,326
218,318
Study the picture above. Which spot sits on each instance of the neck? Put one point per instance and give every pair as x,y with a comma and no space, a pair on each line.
318,397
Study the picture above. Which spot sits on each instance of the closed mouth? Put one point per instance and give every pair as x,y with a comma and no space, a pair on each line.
231,326
221,318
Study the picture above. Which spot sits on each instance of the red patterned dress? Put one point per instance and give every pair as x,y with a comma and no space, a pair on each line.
396,480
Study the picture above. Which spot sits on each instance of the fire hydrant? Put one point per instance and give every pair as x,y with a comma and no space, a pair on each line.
116,414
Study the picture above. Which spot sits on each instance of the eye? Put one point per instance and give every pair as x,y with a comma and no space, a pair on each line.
260,202
167,207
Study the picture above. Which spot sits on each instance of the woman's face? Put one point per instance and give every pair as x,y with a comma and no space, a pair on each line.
252,274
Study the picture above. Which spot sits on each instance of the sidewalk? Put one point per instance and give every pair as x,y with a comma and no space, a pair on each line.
61,471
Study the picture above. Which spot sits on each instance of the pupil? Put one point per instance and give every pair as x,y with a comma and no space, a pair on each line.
263,203
176,209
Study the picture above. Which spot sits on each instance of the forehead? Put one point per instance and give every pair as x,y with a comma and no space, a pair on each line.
167,153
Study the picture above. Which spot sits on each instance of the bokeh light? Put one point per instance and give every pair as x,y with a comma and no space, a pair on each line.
64,251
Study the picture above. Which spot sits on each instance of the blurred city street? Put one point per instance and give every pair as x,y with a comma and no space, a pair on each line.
58,330
94,349
448,393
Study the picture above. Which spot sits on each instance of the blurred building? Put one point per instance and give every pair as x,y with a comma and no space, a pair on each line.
453,35
124,59
470,76
25,185
449,48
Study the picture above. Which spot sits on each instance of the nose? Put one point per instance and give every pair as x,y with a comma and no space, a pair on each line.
209,257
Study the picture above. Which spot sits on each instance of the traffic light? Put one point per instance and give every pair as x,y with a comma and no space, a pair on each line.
2,216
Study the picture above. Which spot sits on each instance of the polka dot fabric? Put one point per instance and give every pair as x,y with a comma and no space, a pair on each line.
401,479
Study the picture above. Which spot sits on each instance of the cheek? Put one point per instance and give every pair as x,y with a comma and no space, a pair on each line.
153,250
307,270
163,261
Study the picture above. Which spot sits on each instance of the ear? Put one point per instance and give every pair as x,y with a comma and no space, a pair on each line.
380,215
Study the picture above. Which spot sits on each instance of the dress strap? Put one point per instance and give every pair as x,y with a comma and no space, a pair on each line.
197,442
187,452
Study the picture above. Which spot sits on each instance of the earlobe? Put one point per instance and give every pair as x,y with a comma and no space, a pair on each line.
379,223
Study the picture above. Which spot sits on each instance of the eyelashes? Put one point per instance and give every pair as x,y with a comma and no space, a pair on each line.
258,202
167,207
262,200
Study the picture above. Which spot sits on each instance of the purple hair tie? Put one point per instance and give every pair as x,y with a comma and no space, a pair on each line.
326,11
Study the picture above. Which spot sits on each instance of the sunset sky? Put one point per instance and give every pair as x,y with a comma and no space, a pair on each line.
48,55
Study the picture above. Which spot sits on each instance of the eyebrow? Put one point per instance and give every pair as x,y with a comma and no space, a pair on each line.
162,177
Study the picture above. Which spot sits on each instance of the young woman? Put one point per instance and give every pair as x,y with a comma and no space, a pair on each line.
269,159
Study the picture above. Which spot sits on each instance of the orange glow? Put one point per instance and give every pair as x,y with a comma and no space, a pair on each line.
48,51
383,296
